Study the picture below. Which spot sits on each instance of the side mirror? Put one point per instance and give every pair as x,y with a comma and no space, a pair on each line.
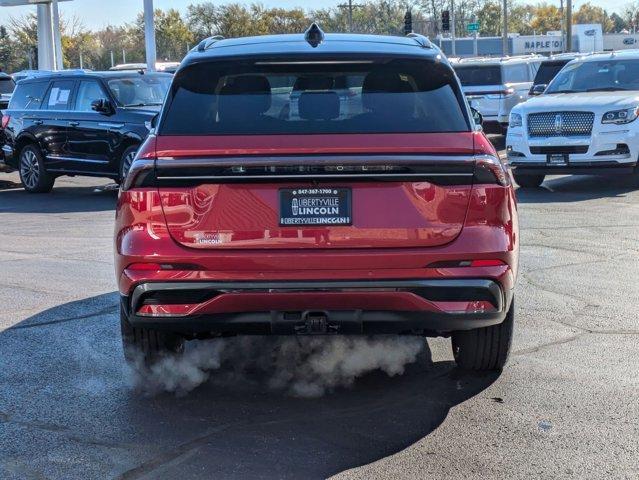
102,106
537,89
151,124
477,117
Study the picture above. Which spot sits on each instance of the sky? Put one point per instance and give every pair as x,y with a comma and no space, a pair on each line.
95,14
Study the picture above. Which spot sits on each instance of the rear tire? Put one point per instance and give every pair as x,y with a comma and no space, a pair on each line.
34,177
147,345
485,348
529,181
126,161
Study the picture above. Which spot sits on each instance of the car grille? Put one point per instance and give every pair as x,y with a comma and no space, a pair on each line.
562,124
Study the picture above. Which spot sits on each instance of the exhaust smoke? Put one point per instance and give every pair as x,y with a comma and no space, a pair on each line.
298,366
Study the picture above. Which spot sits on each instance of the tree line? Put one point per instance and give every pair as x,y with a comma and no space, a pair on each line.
177,32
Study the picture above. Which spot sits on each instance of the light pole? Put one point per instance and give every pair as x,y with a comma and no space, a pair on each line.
452,27
505,34
149,35
569,25
350,6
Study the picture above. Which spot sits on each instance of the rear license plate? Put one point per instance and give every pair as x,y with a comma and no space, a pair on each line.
557,159
315,206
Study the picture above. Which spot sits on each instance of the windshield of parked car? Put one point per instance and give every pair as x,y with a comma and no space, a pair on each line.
273,97
6,85
548,70
140,90
479,75
594,76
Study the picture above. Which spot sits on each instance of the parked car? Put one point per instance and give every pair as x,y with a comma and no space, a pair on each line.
394,218
166,67
548,69
6,89
79,123
494,86
584,123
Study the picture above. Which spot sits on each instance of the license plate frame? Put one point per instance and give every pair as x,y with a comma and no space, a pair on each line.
558,159
317,206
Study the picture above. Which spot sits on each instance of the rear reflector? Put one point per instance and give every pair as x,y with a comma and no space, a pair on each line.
466,263
5,120
148,267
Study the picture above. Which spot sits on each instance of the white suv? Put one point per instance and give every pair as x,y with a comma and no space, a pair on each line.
584,123
493,86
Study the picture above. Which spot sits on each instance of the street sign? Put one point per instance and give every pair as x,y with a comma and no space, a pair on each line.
473,27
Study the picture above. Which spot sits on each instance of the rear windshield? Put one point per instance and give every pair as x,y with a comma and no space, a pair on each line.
141,90
272,97
6,85
28,96
548,70
478,75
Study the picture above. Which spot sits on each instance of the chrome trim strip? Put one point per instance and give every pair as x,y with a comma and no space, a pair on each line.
71,159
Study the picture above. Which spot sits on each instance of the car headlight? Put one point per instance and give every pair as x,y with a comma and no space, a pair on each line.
514,121
620,117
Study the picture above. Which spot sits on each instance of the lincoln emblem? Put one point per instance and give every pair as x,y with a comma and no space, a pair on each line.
559,123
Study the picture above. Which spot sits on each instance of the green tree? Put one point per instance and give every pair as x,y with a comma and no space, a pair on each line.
172,35
618,23
587,13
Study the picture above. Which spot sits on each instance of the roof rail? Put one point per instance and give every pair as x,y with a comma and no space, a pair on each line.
208,42
422,40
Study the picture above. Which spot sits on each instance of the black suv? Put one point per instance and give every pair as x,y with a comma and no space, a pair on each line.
79,124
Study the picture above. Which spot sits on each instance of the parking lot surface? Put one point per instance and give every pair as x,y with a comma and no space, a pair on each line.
565,407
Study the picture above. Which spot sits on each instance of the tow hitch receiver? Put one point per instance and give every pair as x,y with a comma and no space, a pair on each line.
315,323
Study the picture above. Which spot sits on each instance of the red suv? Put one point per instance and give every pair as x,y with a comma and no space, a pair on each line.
373,205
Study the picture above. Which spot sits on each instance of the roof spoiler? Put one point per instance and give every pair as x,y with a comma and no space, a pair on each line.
422,40
208,42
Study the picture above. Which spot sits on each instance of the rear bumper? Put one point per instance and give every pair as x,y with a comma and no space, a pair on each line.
430,307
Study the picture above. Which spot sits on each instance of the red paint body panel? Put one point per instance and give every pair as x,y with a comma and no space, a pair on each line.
385,215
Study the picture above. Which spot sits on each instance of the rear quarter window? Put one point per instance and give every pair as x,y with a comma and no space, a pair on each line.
262,97
517,73
28,96
6,85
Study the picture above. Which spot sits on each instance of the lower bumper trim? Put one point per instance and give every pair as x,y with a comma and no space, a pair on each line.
320,321
581,168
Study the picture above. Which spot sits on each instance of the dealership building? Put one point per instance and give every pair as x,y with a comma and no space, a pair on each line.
585,38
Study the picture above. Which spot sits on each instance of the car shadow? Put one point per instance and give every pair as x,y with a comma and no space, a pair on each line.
62,199
577,188
65,394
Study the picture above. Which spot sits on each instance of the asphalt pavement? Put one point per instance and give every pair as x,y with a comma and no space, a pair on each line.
567,405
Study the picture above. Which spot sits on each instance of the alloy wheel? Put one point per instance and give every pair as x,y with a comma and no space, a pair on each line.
29,169
126,163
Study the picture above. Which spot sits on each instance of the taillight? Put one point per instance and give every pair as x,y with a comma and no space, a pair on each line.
5,120
506,92
490,169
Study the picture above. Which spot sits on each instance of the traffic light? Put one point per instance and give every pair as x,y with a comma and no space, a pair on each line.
446,21
408,22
